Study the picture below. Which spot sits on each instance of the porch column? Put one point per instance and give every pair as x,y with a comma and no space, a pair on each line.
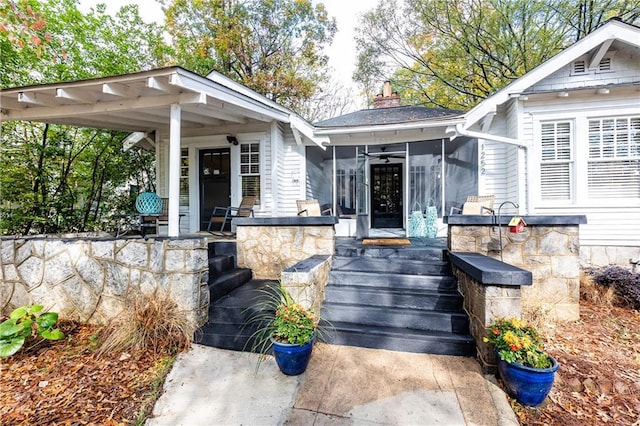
174,170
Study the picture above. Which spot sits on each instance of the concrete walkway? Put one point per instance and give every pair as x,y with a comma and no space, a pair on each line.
342,385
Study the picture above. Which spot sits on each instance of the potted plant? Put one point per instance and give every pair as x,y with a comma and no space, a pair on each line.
285,328
526,370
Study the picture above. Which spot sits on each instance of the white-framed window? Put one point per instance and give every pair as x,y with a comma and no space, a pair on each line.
184,177
613,169
556,162
250,170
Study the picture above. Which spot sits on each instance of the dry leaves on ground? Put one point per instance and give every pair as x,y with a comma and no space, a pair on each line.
65,383
599,377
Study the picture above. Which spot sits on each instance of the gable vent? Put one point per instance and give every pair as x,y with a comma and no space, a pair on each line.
579,67
604,65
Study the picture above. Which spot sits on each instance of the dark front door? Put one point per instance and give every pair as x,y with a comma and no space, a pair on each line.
215,182
386,196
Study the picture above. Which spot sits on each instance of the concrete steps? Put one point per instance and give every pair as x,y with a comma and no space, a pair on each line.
398,298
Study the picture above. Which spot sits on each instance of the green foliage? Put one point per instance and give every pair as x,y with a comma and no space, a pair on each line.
27,322
60,179
516,341
276,315
274,47
454,54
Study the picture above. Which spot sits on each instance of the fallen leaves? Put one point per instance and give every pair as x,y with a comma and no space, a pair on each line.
599,377
66,383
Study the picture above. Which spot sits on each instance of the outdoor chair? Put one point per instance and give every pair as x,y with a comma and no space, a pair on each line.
224,215
148,221
476,205
311,208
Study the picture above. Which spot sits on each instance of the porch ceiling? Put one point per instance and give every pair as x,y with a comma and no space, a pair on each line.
138,102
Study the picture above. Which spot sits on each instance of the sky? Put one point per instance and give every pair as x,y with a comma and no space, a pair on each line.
342,56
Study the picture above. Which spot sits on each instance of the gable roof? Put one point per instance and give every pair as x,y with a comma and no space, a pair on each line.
391,115
597,42
140,102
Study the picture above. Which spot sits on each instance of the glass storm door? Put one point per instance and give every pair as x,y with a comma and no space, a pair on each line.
386,196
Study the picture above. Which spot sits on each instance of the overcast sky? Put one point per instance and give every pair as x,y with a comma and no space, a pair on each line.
342,52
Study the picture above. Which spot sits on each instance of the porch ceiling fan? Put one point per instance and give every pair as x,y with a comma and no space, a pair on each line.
383,155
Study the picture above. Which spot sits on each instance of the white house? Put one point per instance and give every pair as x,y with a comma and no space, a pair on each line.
562,139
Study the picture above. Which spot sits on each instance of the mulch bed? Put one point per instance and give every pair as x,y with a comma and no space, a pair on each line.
65,383
599,377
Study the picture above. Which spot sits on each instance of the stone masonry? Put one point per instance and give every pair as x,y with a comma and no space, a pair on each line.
551,253
89,278
269,250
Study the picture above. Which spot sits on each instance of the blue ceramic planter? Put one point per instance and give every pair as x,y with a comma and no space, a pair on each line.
530,386
292,359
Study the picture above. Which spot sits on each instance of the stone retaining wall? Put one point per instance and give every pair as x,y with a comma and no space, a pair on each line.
551,252
306,281
268,246
89,278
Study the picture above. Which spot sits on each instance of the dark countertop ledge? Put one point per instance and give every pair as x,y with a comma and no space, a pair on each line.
489,271
286,221
537,220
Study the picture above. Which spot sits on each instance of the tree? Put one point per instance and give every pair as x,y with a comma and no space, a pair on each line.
271,46
455,53
22,25
61,178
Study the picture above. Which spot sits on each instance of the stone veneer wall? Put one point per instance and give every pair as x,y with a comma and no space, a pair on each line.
89,278
599,256
551,252
306,284
483,303
268,246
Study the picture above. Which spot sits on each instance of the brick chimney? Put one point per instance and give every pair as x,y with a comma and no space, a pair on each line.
387,98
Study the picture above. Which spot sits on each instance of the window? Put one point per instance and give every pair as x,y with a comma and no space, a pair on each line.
556,166
250,170
184,177
614,158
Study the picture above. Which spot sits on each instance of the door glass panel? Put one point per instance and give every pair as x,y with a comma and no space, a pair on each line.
386,196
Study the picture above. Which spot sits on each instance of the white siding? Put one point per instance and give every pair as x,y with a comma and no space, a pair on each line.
625,69
608,223
291,175
606,226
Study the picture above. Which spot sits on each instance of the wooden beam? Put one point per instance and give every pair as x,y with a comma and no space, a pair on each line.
597,56
39,99
40,113
76,95
161,85
121,90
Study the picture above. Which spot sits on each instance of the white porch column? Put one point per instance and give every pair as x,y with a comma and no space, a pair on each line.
174,170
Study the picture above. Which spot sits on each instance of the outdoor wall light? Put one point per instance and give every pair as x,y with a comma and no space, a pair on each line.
232,139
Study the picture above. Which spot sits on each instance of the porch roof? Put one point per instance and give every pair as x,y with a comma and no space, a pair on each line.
392,115
140,102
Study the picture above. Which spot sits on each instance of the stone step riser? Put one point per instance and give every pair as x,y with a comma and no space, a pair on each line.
426,254
407,267
394,281
219,264
400,318
414,300
227,282
399,342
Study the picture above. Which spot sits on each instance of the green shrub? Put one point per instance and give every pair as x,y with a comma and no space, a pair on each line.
25,323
